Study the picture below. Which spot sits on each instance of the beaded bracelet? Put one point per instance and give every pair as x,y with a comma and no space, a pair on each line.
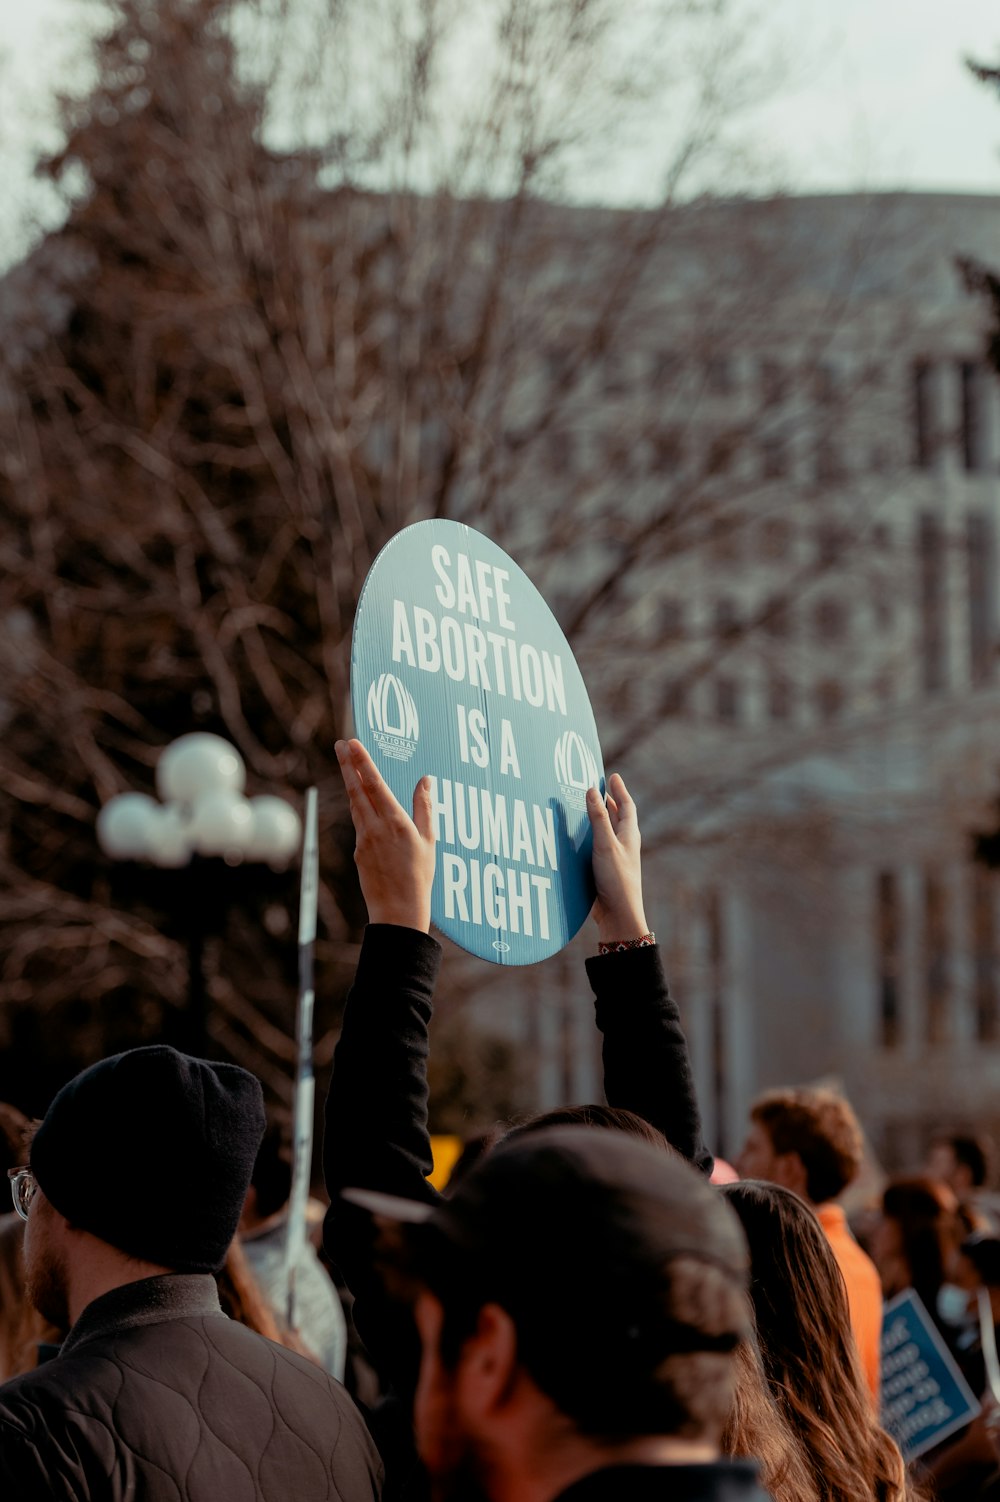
619,946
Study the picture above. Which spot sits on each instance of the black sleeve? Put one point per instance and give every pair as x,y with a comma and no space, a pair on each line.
376,1113
647,1068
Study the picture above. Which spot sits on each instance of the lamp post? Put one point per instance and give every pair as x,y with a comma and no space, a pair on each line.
202,815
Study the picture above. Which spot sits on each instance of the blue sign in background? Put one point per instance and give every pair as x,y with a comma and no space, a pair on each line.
925,1398
460,670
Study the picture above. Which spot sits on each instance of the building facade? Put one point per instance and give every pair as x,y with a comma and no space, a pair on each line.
806,695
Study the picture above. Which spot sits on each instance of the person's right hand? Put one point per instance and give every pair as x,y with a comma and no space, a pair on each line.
618,910
394,854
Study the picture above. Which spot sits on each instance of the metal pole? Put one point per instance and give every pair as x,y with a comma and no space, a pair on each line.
305,1083
196,1025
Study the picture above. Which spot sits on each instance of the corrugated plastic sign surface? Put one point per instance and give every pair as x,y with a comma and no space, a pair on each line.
460,670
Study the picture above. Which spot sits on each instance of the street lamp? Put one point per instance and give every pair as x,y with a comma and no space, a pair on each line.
203,813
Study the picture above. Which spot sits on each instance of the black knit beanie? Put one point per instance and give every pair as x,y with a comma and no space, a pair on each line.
152,1151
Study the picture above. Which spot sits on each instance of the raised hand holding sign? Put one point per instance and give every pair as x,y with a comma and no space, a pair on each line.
394,854
618,907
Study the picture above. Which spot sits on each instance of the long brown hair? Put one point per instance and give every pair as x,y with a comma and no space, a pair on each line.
757,1430
808,1350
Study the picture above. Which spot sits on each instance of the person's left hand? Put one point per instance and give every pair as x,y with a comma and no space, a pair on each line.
618,910
394,854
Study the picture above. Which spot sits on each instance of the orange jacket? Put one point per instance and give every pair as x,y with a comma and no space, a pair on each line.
864,1291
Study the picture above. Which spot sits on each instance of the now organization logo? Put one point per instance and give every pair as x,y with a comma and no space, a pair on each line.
392,717
576,768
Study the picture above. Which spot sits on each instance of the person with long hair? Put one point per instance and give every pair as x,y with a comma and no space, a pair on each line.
758,1430
916,1239
808,1350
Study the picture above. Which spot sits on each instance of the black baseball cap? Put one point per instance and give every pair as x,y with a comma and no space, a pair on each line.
583,1235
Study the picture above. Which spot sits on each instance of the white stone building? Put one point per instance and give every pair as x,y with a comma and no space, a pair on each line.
815,684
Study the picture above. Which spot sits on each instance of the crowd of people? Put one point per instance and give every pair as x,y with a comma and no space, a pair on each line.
592,1310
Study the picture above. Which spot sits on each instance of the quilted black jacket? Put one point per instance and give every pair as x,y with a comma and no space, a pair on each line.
156,1396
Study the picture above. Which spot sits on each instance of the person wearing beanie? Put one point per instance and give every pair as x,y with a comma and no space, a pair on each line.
132,1196
529,1390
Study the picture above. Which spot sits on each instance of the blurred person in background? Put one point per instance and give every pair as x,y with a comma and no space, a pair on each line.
530,1388
322,1328
809,1141
976,1266
914,1242
23,1331
808,1349
962,1161
137,1177
966,1465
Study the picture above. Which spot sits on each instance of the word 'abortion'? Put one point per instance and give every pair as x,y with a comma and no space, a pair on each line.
473,653
475,818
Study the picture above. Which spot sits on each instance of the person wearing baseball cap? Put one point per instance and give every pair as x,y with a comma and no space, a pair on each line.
579,1299
136,1181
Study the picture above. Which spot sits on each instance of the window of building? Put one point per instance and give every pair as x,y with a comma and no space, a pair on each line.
825,383
727,700
720,375
726,532
622,696
674,699
665,369
984,952
775,617
613,374
773,382
726,618
720,453
779,699
829,461
670,620
887,927
973,396
830,617
775,538
934,644
980,543
923,436
774,463
829,699
881,537
668,450
622,456
831,542
559,364
935,958
560,451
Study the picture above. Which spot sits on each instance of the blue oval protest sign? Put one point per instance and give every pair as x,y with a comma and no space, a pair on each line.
459,670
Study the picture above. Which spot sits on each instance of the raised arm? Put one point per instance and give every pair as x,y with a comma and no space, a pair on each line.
647,1067
376,1111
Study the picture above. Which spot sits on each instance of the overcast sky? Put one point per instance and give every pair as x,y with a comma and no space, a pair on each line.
877,98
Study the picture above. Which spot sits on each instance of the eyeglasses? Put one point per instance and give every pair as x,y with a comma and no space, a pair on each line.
22,1188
